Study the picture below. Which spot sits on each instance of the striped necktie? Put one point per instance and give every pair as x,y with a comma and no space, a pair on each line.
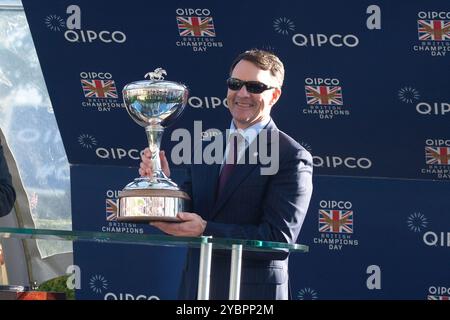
234,145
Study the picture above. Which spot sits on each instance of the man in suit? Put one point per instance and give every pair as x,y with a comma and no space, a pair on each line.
249,204
7,193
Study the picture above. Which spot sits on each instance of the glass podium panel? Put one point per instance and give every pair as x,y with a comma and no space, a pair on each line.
147,239
106,237
63,271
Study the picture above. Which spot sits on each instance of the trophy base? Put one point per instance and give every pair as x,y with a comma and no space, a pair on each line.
147,220
147,205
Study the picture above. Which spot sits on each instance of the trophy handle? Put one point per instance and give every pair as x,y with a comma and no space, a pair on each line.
154,137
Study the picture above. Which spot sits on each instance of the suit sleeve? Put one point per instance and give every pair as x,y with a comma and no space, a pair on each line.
7,193
284,206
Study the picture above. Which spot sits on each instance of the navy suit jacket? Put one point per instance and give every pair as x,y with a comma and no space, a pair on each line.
252,206
7,193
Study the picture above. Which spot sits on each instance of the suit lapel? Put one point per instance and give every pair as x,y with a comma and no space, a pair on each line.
211,176
240,173
231,186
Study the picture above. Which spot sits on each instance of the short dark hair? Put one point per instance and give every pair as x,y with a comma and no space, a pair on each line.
264,60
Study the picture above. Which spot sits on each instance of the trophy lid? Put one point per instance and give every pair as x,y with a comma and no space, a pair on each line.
155,101
153,85
156,81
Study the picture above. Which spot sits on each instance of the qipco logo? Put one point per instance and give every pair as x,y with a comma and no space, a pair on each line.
434,15
335,204
75,33
434,239
319,40
91,36
436,108
118,153
128,296
207,102
193,12
438,142
338,162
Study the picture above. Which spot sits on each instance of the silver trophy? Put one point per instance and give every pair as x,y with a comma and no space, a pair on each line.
153,104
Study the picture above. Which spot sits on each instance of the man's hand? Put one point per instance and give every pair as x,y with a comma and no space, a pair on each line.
192,225
145,167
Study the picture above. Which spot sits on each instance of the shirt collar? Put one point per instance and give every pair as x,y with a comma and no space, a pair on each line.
251,132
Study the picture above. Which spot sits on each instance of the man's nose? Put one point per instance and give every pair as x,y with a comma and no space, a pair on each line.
242,92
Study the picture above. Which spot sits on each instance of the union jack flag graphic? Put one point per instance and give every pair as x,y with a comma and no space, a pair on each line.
323,95
99,88
437,155
438,297
336,221
111,209
435,30
196,26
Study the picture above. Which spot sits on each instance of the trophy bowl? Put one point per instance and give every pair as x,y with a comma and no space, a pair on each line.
153,104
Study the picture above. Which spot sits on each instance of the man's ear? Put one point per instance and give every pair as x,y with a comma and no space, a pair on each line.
276,93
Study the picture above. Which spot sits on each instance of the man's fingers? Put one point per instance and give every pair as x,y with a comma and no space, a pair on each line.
147,153
169,228
146,157
145,170
185,216
145,167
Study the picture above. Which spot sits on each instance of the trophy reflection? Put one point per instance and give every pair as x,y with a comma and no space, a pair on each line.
153,104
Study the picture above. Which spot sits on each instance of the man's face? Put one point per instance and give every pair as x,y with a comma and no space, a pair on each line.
249,108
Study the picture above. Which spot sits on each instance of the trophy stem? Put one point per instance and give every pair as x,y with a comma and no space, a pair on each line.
154,137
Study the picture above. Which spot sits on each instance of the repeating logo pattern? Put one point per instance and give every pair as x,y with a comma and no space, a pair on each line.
324,95
417,222
433,33
408,95
437,158
438,293
74,31
87,141
196,26
54,22
307,294
111,209
98,283
338,221
437,155
324,98
196,30
435,30
99,91
99,88
430,297
335,225
283,25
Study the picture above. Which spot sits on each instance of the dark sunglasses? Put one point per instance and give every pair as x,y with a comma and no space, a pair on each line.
251,86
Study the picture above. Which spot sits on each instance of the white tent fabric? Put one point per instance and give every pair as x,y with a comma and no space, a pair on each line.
23,262
35,156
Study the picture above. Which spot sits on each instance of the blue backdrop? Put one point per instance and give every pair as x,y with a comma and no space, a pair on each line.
366,91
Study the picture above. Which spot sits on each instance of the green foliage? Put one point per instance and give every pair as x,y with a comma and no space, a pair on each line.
58,284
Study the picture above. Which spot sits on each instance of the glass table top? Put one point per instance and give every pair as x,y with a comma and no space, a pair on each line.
148,239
